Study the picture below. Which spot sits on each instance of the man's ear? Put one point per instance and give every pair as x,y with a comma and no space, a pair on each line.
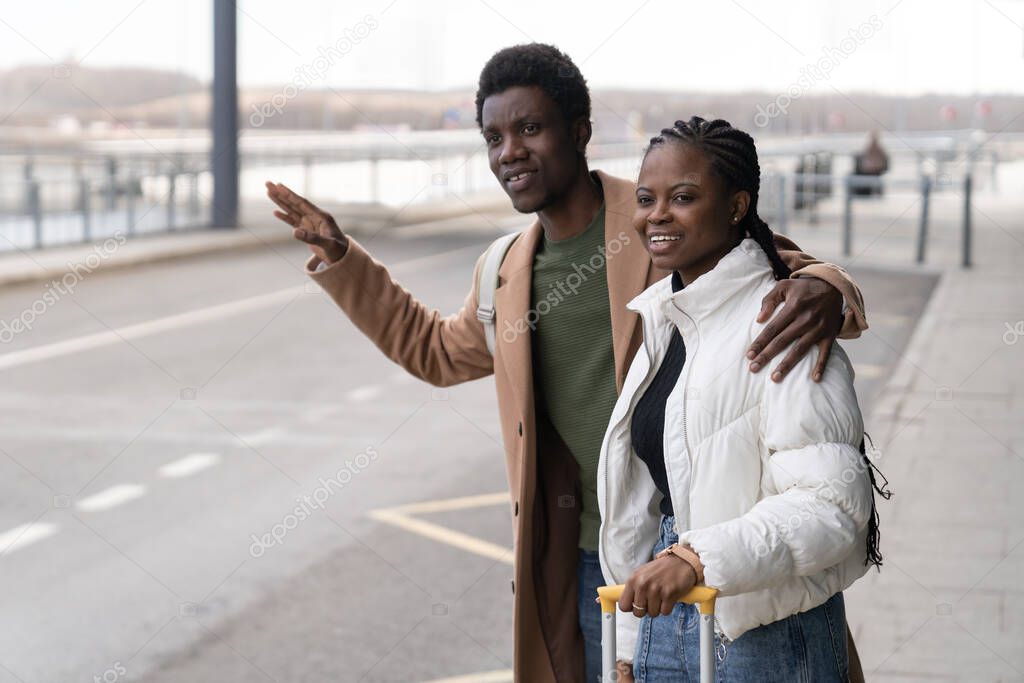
581,133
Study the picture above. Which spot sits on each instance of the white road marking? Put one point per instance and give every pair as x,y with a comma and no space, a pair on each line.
111,497
189,465
367,393
216,313
24,535
497,676
145,329
263,436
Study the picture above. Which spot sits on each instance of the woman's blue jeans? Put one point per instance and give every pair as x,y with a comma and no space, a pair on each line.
588,579
809,646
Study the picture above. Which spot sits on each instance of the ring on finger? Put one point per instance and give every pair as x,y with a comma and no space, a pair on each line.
638,608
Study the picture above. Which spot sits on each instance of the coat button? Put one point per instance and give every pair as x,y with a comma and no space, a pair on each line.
520,429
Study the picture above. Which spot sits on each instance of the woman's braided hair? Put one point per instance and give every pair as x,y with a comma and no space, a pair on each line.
733,157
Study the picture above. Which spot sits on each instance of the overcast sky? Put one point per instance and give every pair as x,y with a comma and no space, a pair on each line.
897,46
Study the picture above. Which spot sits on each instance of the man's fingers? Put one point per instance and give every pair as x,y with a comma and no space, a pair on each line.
770,302
767,344
288,218
794,356
310,237
296,202
824,350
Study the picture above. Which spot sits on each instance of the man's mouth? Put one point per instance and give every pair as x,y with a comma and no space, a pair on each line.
518,180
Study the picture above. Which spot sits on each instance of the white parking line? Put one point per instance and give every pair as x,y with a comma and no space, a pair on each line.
111,497
369,392
25,534
145,329
190,464
263,436
172,322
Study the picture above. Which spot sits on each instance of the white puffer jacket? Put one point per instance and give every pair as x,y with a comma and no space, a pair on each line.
767,481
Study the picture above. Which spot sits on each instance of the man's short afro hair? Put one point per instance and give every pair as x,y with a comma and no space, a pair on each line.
535,64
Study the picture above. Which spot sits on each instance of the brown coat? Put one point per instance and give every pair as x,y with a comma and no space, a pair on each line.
542,474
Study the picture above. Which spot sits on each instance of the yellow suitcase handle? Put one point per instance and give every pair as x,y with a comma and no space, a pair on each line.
700,595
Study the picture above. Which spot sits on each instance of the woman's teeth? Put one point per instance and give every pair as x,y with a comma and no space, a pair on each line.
664,238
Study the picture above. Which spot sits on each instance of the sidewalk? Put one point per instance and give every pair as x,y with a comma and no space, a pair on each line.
258,229
948,604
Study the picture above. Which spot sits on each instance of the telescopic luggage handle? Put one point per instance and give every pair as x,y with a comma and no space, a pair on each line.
702,596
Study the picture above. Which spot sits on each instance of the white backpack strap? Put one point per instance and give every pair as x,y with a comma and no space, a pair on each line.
493,258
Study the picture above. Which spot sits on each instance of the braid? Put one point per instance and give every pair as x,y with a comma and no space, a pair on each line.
733,156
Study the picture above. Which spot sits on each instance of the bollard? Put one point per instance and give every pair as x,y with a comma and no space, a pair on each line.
35,208
782,205
170,200
129,199
922,231
848,217
83,207
966,262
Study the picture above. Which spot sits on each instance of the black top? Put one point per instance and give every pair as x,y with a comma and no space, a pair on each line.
648,428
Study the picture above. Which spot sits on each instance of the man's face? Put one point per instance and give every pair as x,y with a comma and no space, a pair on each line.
530,146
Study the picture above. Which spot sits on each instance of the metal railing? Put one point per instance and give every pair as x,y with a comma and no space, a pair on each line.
784,191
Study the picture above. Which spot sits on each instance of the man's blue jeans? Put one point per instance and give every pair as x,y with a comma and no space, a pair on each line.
588,578
809,646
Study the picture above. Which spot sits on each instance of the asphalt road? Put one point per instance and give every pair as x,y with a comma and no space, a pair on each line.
191,454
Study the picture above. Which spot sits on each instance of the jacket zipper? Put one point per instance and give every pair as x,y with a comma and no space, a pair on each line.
641,388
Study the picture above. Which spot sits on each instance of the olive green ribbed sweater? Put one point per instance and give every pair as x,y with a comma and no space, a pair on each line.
573,360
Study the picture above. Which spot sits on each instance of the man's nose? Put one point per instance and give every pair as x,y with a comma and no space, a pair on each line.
512,149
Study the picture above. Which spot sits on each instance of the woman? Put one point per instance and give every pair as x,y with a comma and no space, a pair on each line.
710,473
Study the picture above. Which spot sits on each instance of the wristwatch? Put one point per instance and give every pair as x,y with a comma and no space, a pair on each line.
686,554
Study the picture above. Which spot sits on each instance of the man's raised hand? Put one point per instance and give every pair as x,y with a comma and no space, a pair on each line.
310,224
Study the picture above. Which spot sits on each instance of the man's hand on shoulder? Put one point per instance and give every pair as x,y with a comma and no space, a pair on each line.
812,316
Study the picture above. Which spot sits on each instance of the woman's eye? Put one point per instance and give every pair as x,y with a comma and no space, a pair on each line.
492,139
530,128
682,197
643,201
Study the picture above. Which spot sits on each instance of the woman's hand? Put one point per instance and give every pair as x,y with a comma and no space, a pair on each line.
656,587
812,315
310,224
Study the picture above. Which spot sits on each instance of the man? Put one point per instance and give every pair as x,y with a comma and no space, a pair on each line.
559,367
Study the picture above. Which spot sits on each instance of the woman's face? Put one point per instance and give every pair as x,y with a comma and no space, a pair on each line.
684,213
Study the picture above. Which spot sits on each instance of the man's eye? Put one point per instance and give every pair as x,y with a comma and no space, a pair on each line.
530,128
492,139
